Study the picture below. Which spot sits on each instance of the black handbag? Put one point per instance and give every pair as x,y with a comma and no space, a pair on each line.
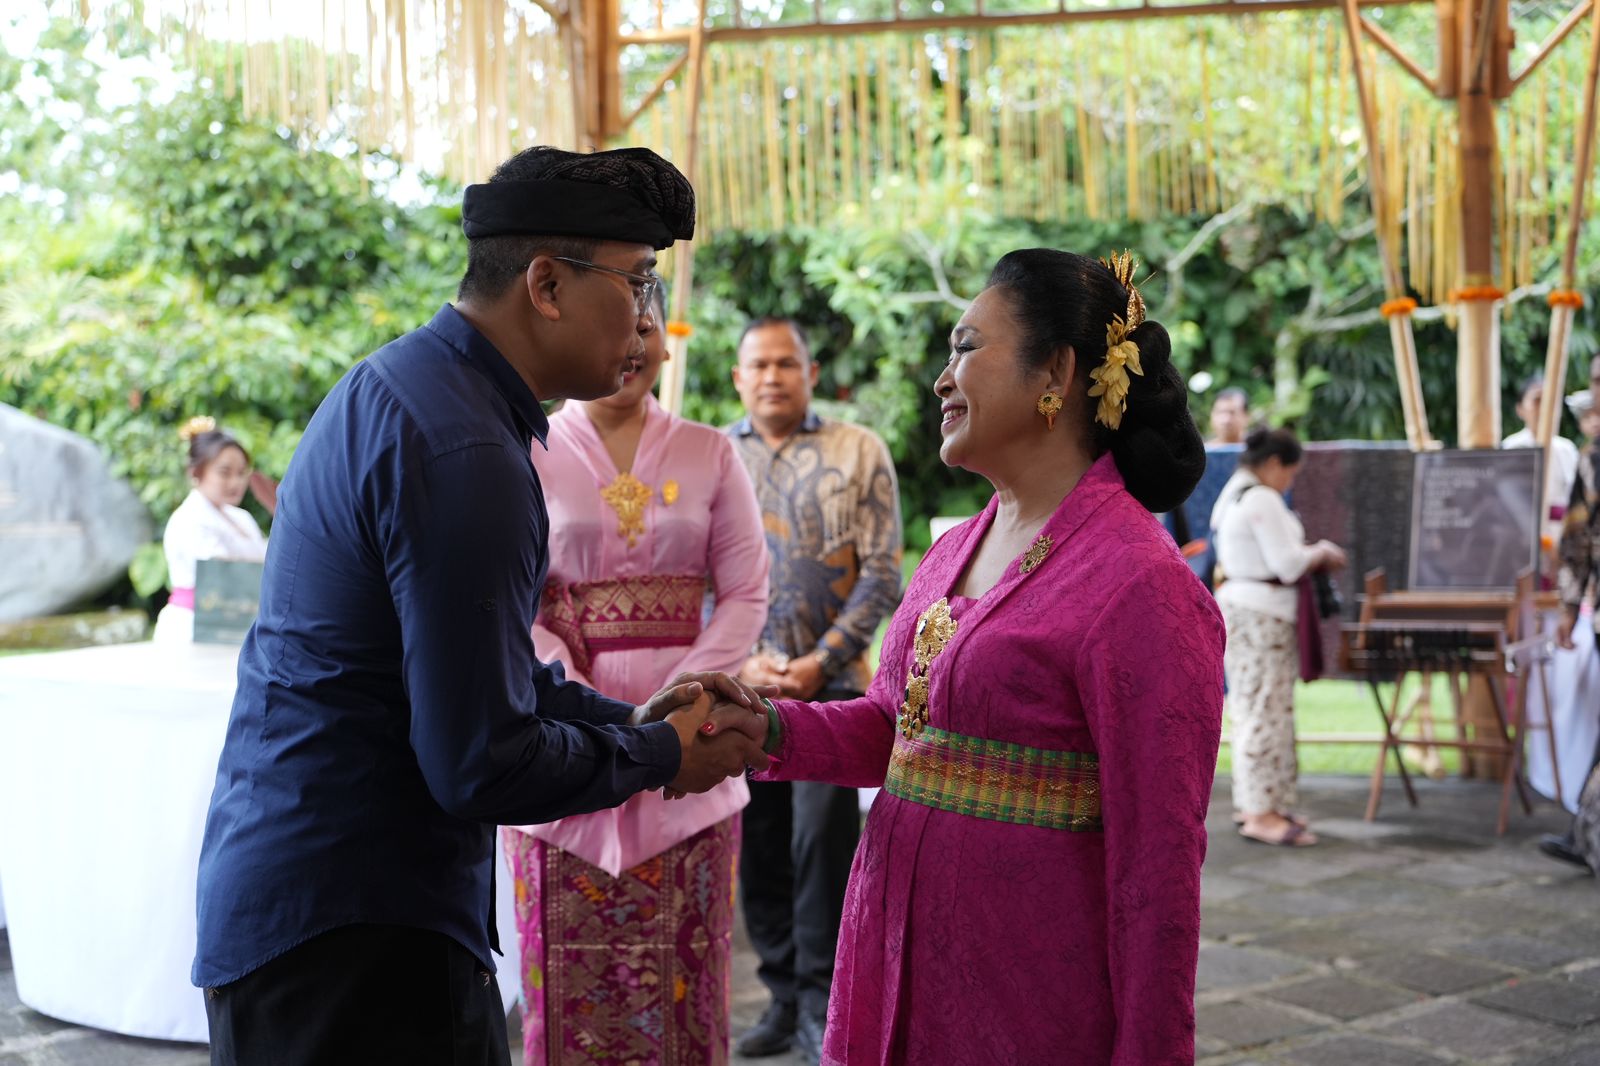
1328,601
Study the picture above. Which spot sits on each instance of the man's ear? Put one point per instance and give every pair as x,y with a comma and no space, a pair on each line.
544,284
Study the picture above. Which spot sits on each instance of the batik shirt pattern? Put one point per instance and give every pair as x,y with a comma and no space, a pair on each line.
830,507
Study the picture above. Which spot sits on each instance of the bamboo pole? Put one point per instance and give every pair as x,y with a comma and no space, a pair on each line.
1541,155
922,111
952,111
830,75
789,129
1006,119
675,370
769,99
884,127
863,124
656,90
1213,193
1388,44
905,111
849,186
1336,166
1130,133
1478,335
982,128
1507,187
1562,313
1549,44
1400,332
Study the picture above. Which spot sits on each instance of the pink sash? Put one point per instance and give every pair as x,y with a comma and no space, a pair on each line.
182,597
650,611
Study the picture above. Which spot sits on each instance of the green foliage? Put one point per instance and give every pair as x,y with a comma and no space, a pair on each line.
148,571
252,217
214,266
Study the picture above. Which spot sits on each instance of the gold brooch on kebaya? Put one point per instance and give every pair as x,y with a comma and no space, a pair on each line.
1035,554
627,496
936,628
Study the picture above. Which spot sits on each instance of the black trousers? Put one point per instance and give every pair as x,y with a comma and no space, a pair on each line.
799,840
362,993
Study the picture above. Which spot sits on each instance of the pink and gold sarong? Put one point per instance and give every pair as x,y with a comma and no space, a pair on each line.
631,969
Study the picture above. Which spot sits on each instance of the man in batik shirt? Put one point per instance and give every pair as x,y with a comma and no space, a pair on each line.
831,511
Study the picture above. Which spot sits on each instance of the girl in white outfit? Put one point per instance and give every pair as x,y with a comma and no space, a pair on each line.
209,524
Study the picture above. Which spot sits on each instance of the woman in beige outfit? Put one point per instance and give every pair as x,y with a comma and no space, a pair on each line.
1261,554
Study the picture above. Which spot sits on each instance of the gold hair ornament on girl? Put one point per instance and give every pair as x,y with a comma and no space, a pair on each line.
195,426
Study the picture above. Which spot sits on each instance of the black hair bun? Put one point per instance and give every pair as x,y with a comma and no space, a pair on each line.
1157,448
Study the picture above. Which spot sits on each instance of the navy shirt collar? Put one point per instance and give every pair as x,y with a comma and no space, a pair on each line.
450,326
810,424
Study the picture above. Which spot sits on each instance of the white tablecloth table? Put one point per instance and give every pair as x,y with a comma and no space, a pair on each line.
107,761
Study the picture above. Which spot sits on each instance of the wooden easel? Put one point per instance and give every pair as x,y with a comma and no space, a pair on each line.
1461,635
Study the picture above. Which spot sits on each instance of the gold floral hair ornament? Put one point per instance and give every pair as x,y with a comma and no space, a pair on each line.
1122,355
195,426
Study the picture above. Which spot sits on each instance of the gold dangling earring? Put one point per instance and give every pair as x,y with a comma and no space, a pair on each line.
1050,405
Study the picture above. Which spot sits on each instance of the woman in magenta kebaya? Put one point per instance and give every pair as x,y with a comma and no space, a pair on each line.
1046,713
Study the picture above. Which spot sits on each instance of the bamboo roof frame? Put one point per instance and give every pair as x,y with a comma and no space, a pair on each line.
1475,41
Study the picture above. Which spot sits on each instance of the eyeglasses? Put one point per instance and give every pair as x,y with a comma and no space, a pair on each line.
644,285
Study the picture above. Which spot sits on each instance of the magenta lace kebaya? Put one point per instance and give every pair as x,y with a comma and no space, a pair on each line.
973,939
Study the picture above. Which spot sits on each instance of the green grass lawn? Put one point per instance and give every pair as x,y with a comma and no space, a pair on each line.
1346,707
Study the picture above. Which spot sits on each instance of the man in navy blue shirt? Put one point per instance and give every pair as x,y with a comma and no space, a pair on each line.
390,710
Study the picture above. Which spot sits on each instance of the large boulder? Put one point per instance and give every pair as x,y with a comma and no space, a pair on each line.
68,529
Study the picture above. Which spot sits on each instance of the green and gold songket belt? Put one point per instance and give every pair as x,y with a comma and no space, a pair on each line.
996,780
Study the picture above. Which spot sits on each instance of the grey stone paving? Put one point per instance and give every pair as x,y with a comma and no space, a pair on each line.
1417,940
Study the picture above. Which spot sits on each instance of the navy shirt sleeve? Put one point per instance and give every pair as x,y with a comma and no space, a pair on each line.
499,736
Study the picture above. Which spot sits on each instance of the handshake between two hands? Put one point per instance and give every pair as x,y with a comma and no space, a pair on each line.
721,724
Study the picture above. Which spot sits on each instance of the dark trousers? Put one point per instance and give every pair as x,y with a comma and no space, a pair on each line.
362,993
799,840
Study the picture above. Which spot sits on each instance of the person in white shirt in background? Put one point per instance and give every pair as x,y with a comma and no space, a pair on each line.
209,524
1563,469
1261,553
